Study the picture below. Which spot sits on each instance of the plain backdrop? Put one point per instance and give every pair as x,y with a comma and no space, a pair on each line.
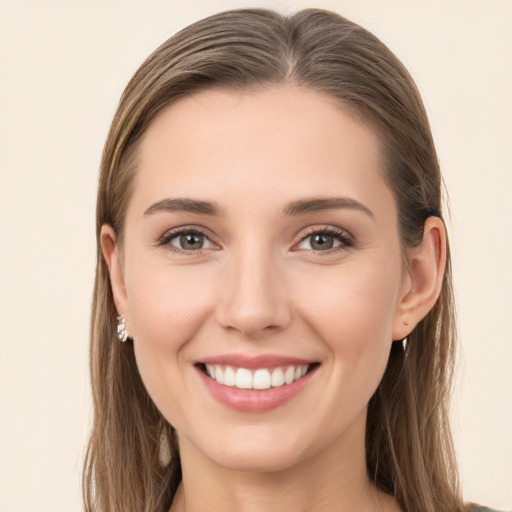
63,65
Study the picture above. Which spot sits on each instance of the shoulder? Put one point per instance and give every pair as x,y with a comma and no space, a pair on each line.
479,508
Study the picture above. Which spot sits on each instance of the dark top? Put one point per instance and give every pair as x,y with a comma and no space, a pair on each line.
478,508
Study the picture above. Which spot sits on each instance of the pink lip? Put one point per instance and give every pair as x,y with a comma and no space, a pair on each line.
253,363
250,400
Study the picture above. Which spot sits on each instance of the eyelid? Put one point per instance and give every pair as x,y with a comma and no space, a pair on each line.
171,234
343,236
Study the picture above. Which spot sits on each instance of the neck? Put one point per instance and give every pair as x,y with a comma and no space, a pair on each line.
334,479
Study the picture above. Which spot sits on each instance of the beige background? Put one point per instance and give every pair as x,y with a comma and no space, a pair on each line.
63,65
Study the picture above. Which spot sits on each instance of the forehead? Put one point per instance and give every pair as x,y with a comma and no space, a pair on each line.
270,145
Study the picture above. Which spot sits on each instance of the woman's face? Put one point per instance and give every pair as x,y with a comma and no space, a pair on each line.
260,243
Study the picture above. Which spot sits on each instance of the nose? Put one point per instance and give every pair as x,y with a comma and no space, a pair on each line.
254,299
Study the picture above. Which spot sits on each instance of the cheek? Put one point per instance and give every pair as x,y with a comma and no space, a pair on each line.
358,300
167,303
167,306
352,310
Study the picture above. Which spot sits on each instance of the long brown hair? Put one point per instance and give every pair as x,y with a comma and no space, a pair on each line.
132,461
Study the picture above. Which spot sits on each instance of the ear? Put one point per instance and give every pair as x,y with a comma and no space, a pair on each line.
423,278
113,259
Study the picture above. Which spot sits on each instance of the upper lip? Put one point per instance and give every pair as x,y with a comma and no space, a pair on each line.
255,362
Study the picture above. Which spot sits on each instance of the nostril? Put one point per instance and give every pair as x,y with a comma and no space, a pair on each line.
253,304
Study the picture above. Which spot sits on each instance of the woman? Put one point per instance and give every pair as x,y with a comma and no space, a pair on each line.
273,252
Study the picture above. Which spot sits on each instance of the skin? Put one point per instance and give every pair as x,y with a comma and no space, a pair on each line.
259,286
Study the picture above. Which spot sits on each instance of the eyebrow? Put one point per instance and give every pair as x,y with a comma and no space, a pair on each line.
185,205
294,208
304,206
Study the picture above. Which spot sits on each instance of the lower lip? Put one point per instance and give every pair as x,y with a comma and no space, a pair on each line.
250,400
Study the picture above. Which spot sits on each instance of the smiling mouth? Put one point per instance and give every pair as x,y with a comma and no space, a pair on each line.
258,378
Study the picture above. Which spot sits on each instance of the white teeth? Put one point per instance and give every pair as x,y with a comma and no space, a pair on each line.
210,369
277,378
243,378
261,378
289,375
229,377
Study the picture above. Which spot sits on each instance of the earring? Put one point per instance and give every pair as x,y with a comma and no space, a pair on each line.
122,335
404,341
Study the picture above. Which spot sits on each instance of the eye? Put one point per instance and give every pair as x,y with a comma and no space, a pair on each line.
186,241
326,239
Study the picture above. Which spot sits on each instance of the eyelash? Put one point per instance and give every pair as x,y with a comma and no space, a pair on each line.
346,241
166,239
340,235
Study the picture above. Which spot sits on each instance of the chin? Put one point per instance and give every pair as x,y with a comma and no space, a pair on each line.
252,459
255,449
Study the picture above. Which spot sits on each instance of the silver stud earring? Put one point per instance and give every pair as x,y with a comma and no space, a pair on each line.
122,335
